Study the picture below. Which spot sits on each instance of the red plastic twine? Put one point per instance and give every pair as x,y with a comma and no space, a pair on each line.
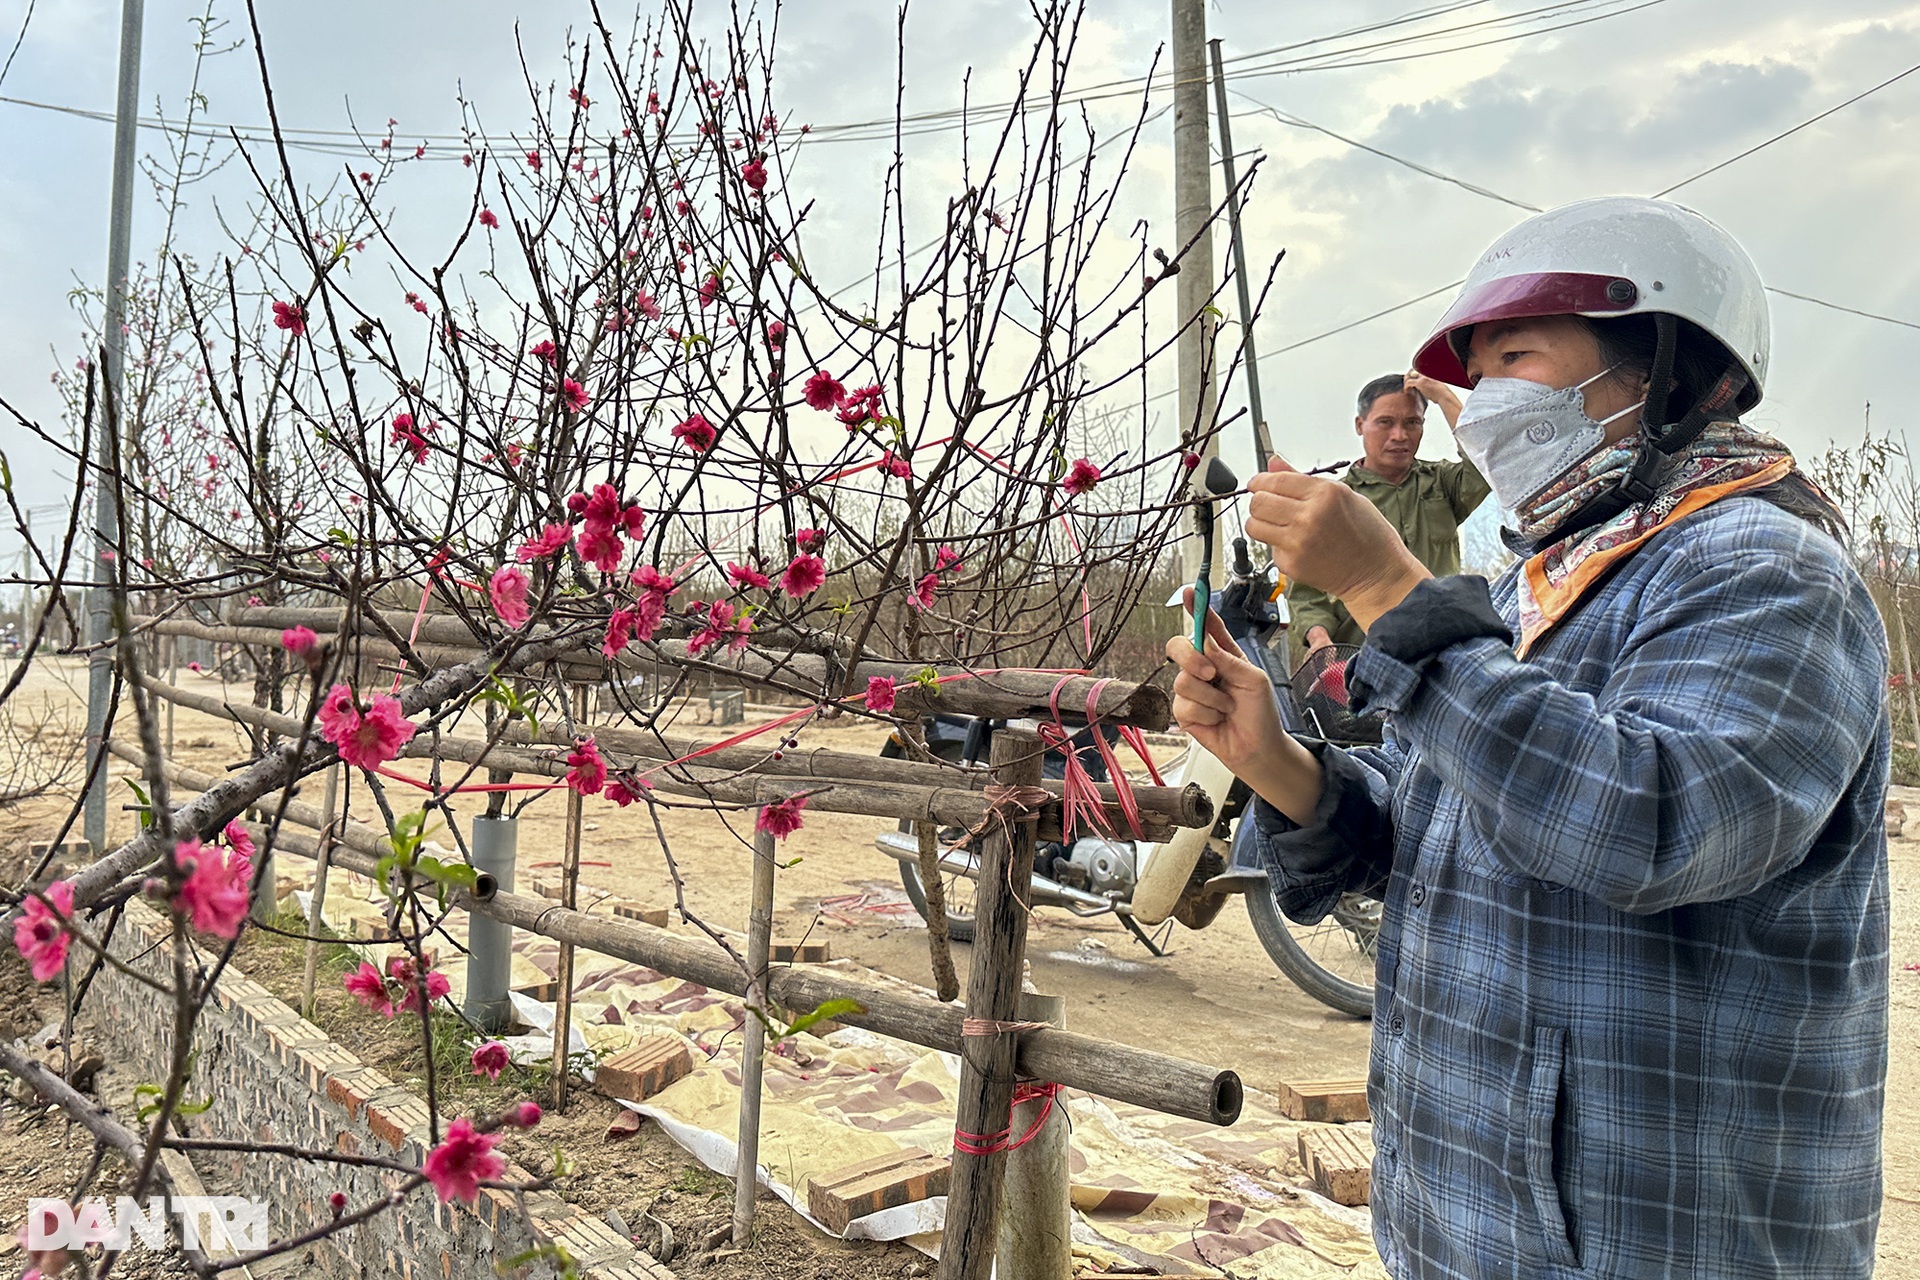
1080,800
987,1144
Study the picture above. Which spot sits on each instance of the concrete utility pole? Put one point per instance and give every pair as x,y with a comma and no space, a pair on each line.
106,507
1192,203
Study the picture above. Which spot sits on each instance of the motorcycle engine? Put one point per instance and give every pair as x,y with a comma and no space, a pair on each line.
1100,866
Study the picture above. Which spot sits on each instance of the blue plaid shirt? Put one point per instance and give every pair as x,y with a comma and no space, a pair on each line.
1632,1006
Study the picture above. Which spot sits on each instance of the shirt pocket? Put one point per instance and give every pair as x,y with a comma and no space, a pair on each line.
1545,1127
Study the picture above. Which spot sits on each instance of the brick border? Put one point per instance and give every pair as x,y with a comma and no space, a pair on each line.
278,1078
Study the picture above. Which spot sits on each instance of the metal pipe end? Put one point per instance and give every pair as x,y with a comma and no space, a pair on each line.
1227,1097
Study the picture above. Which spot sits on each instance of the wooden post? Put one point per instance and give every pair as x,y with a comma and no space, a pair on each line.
317,901
985,1099
569,898
1036,1218
746,1174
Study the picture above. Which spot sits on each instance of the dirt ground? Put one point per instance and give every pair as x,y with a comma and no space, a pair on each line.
1216,997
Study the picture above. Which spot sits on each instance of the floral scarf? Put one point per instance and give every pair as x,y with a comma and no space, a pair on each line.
1728,458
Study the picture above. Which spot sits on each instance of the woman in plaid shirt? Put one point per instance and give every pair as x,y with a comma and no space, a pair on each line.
1628,824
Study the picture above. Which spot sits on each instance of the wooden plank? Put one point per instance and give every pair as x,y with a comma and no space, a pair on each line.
638,1073
1325,1101
1340,1164
884,1182
802,952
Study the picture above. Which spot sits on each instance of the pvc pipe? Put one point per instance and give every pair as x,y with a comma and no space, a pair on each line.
489,941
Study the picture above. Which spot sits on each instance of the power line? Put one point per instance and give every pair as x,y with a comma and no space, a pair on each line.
1300,123
348,142
1788,134
1834,306
1355,324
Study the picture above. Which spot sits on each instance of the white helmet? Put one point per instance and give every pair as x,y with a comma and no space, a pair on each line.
1613,256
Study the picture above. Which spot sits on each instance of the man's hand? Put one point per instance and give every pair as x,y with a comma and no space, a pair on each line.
1436,393
1327,536
1223,700
1317,638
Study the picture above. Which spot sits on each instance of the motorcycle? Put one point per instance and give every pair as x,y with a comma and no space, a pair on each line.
1095,875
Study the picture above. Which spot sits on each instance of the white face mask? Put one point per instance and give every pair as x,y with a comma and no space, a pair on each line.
1524,435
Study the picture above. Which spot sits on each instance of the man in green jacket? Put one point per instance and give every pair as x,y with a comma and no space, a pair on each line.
1425,501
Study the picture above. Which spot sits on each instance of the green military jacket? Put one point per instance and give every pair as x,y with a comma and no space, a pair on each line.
1426,507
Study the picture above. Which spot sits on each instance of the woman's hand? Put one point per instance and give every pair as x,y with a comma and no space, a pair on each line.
1227,704
1224,701
1327,536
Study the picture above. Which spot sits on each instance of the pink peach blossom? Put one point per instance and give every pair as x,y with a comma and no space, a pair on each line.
719,623
290,316
776,334
824,391
487,219
214,895
754,173
620,624
555,537
507,590
367,986
300,641
894,465
1081,477
37,934
745,575
490,1059
458,1166
575,395
239,839
696,433
813,540
880,695
624,791
781,819
366,739
924,591
586,771
546,351
804,575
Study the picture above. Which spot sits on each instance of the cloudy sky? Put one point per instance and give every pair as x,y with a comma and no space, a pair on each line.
1634,99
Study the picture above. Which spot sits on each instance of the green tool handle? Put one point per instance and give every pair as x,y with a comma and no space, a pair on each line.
1202,596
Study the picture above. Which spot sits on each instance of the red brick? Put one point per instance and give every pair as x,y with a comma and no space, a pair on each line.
645,1069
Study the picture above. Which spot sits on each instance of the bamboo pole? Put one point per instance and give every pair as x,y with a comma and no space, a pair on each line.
999,694
1036,1218
876,787
746,1172
1124,1073
569,899
316,902
988,1057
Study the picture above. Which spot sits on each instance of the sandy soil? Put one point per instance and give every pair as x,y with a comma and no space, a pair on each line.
1216,997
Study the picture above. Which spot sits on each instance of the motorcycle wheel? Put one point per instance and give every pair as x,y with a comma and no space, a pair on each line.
960,891
1331,961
